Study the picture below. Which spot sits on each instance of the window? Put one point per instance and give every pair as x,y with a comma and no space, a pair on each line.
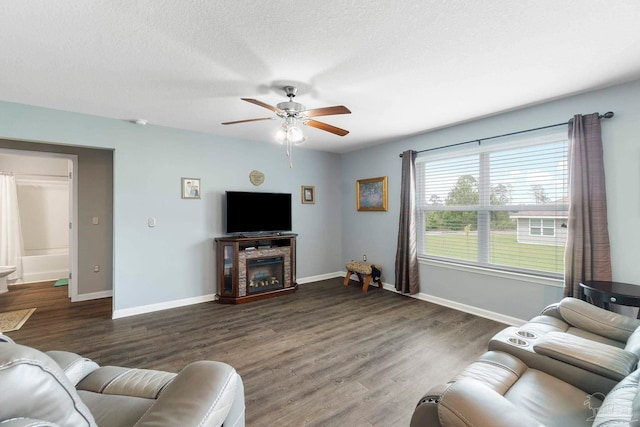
500,205
542,227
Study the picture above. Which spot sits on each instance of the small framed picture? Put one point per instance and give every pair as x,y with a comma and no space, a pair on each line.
371,194
190,188
308,194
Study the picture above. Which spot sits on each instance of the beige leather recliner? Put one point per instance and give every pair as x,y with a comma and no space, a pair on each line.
576,342
499,390
59,388
554,370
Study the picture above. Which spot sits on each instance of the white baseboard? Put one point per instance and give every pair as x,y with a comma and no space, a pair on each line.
92,295
480,312
126,312
320,277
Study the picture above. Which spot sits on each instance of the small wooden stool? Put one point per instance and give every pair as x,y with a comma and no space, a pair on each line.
359,268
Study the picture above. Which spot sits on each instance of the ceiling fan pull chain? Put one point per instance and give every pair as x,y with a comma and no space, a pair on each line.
290,154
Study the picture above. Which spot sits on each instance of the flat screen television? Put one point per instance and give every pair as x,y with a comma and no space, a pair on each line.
254,212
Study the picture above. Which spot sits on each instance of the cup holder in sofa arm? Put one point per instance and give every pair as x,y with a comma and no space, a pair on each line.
517,341
526,334
608,361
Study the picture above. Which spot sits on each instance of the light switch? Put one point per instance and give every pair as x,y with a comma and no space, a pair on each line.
95,220
151,222
96,268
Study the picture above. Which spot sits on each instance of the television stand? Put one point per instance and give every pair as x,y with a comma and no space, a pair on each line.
254,268
258,235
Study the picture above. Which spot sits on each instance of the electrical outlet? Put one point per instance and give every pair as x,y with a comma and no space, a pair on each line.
96,268
364,258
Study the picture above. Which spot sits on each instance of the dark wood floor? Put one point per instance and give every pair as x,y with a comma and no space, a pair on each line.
327,355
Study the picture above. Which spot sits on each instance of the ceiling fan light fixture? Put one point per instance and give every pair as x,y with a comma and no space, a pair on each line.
281,134
294,134
294,114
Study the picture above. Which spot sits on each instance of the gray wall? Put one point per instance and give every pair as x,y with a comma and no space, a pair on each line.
95,198
175,260
375,233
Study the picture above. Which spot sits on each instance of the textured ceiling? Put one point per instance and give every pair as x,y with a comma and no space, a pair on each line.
402,67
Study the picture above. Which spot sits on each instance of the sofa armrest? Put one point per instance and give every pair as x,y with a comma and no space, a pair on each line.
74,366
605,360
426,412
133,382
470,399
202,394
599,321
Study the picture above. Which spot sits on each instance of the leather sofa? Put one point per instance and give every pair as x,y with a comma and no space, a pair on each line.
574,365
59,388
579,318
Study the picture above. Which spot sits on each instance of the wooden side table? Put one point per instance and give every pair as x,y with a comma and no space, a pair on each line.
603,293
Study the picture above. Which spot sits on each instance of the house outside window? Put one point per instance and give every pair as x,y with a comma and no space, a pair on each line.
501,205
542,227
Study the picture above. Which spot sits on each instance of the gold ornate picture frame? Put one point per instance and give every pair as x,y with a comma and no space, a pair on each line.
371,194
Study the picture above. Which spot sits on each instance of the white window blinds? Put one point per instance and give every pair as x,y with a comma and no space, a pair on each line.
500,205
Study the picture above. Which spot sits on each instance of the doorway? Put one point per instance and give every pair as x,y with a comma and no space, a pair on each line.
91,211
46,194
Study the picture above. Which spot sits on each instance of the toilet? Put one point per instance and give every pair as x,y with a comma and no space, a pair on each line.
4,272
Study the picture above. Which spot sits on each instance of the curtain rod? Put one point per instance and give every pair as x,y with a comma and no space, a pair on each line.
607,115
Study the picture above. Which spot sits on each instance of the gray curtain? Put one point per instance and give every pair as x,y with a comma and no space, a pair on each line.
407,279
587,253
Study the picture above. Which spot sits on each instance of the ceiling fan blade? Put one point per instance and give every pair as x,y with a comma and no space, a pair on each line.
262,104
323,126
249,120
326,111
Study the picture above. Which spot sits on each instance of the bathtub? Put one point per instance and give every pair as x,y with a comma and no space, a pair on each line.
42,268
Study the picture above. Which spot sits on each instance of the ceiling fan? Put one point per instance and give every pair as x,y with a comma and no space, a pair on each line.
292,112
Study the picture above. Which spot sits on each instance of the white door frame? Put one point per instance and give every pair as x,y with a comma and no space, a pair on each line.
73,210
73,227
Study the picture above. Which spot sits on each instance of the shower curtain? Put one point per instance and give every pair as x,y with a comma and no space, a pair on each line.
11,245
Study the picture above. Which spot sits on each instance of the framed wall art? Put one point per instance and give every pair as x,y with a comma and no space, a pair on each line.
190,188
371,194
308,194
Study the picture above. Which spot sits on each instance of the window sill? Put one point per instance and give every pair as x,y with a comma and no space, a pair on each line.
545,281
